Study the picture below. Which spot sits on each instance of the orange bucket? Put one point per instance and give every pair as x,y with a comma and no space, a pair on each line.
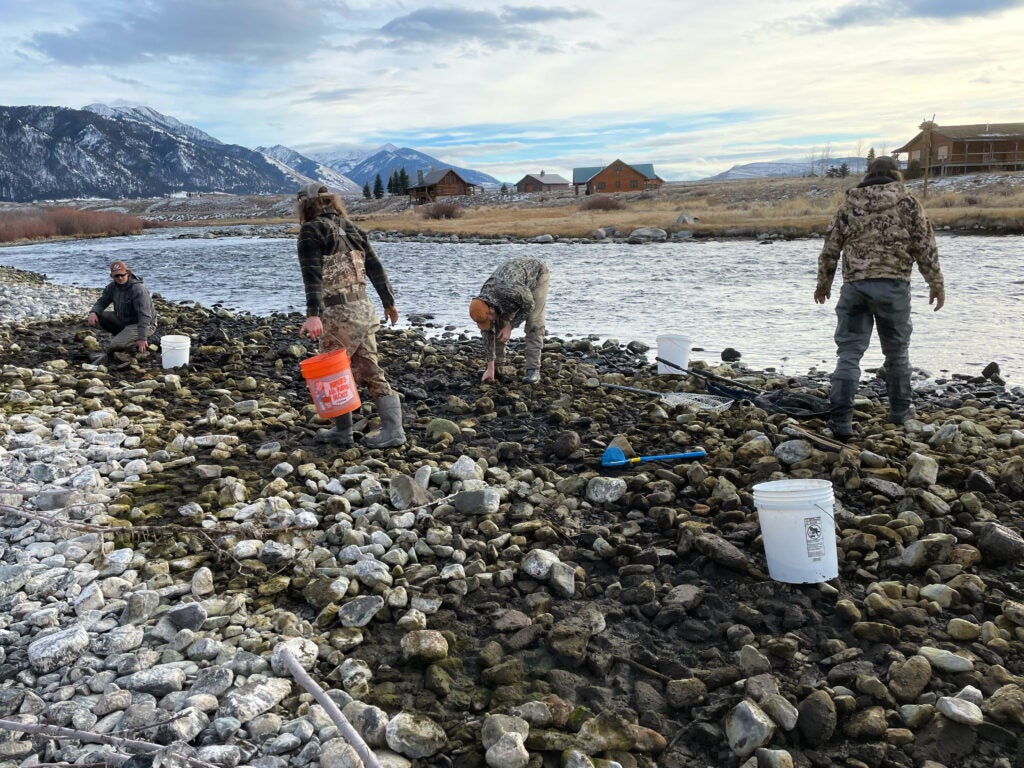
331,384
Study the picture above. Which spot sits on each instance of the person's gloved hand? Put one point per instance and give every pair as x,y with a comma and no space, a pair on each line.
313,326
821,294
937,297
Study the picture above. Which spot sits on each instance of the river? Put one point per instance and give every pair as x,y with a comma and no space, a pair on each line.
756,298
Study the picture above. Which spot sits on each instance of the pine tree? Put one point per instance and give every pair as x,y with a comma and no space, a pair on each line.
366,191
504,189
871,155
378,187
391,184
403,181
844,170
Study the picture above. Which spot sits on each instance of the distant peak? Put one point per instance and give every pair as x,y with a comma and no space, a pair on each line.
389,147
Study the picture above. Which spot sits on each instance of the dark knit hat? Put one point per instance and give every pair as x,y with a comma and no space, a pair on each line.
883,166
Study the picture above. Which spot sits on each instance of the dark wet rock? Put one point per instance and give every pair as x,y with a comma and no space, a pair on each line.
482,570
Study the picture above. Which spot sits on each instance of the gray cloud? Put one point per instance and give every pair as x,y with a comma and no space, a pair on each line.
519,25
235,31
869,12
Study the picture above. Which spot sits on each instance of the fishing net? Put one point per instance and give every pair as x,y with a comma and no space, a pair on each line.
702,401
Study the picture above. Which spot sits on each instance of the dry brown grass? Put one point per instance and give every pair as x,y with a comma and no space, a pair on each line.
783,207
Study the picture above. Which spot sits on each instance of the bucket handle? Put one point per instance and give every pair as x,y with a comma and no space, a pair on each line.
827,512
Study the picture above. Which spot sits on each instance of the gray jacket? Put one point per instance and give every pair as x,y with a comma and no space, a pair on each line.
132,304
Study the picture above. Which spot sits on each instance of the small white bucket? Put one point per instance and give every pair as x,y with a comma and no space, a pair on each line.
798,529
675,349
175,350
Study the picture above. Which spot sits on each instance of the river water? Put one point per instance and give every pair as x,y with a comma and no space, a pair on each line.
756,298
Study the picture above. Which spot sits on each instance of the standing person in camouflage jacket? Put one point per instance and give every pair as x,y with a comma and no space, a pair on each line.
881,232
335,257
516,291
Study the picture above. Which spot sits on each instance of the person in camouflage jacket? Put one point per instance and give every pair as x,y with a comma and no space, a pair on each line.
517,291
335,258
880,231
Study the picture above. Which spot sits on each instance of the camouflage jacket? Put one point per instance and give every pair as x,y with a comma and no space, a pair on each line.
881,232
510,291
335,257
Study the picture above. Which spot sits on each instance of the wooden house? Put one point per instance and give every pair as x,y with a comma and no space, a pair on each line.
949,150
434,184
543,182
617,177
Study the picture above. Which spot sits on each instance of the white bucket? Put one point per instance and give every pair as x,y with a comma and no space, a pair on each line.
798,530
175,350
675,349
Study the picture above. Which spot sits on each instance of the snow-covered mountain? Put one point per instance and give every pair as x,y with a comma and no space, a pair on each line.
340,157
54,153
389,158
789,168
310,169
149,116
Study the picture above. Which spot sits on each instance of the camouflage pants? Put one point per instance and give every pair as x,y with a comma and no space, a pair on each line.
353,327
862,306
534,328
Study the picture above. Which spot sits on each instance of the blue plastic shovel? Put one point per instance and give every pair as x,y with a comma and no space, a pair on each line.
614,457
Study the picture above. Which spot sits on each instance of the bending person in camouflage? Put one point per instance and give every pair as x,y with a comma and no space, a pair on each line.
335,258
881,232
516,291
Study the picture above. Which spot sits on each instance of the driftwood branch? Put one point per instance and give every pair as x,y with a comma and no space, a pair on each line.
129,745
350,734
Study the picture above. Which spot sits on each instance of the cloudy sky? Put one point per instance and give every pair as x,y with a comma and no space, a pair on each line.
691,86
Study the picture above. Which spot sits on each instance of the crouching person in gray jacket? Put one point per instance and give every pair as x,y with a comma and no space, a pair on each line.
132,320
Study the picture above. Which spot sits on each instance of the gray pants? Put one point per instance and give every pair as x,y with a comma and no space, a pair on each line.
863,305
125,336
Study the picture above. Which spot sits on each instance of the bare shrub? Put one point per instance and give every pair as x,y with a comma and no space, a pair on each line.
442,209
65,222
602,203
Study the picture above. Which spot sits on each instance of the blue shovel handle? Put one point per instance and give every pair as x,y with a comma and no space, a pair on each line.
699,453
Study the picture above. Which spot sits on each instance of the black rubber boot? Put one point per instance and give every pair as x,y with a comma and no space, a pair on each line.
390,434
840,399
340,433
900,397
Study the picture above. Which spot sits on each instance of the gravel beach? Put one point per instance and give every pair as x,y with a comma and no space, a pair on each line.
489,594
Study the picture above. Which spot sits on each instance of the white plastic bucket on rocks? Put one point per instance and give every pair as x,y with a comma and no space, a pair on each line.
798,529
175,350
675,349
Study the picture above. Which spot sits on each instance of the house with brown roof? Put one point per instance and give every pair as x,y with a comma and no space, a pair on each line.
949,150
617,177
441,183
542,182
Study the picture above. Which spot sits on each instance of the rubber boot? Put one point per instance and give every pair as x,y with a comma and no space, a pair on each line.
900,394
390,434
840,398
340,433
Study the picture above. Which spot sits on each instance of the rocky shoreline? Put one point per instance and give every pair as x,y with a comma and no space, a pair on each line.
489,594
